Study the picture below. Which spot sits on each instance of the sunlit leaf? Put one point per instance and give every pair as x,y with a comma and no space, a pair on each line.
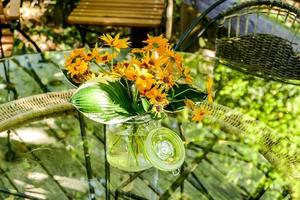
182,92
104,102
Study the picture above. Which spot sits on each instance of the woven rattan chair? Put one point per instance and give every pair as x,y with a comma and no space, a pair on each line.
261,38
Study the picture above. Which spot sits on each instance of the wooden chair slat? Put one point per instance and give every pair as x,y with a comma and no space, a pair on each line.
121,5
117,14
113,21
122,1
81,11
144,10
7,49
7,40
6,32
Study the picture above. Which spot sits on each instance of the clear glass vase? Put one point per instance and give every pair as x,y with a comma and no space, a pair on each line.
138,145
125,144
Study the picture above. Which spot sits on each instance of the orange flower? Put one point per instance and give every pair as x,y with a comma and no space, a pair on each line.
152,61
76,53
165,78
156,43
144,80
92,55
104,58
136,50
79,67
187,75
173,58
156,97
199,114
130,73
120,68
80,78
115,42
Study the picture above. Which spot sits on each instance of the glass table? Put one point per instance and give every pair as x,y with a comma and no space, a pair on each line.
53,159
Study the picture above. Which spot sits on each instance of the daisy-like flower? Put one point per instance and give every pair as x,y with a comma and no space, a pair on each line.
120,68
144,80
130,74
76,53
187,75
137,50
173,58
105,58
94,54
165,78
152,61
157,43
77,68
115,42
156,97
80,78
199,114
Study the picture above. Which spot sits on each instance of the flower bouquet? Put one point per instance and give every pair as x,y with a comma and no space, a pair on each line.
131,90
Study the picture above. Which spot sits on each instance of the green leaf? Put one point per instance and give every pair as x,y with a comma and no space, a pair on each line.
182,92
104,101
146,104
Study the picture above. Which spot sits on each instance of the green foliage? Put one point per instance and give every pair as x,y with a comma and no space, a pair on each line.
182,92
105,102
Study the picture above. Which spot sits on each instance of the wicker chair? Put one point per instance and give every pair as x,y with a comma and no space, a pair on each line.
261,38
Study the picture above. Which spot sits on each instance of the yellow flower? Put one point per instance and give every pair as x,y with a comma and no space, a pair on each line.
76,53
152,61
187,75
209,86
104,58
79,67
136,50
157,43
120,68
92,55
80,78
130,74
189,104
144,80
156,97
165,78
199,114
115,42
173,58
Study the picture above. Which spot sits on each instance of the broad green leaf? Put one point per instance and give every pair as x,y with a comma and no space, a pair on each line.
104,101
182,92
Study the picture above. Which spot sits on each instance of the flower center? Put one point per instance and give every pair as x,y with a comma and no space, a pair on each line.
166,79
143,77
158,98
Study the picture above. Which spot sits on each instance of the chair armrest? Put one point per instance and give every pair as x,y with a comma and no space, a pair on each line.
12,10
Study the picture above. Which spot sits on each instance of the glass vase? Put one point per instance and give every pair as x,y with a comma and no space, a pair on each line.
125,144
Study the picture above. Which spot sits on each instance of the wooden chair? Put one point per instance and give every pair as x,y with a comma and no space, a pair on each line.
130,13
8,14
